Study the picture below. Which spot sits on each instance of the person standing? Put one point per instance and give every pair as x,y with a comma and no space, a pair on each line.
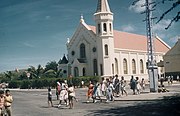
90,91
8,102
58,90
103,87
178,79
63,94
2,101
116,86
109,91
71,96
97,92
168,79
161,81
82,84
143,84
50,97
123,85
133,84
138,87
171,79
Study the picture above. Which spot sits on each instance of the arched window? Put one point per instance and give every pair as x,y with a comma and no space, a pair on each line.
133,66
82,51
99,28
106,49
110,27
76,72
141,67
116,66
95,66
125,66
105,27
84,71
101,68
113,69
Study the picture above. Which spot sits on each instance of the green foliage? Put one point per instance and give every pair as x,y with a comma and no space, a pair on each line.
51,66
25,84
40,83
40,78
15,84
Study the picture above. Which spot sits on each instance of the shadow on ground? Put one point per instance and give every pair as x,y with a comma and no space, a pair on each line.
168,106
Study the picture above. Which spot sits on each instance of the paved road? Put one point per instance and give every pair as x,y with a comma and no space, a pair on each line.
34,103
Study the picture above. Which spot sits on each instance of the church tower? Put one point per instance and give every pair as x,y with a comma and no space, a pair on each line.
105,39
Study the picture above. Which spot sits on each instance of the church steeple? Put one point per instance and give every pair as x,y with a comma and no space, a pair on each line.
103,6
105,40
103,19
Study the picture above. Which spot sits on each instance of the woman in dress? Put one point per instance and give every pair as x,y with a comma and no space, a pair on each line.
90,91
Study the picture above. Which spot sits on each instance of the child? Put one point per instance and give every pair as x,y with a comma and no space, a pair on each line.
71,95
162,89
142,84
123,85
8,102
50,97
1,102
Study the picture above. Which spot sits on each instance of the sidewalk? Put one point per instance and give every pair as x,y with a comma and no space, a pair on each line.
146,95
149,96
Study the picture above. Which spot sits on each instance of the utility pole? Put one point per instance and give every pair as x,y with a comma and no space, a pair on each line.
151,63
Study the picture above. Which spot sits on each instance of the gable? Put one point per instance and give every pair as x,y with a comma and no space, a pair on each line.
175,50
124,40
82,32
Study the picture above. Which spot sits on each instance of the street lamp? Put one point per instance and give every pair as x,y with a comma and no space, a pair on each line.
28,75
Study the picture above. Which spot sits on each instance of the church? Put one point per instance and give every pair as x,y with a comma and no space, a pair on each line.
102,51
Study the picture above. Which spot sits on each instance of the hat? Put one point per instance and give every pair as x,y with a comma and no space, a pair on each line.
58,83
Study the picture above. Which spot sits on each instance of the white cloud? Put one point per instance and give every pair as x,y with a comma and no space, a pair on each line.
161,25
138,7
47,17
174,39
28,45
128,28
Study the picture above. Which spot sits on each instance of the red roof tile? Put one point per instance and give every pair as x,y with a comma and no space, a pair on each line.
124,40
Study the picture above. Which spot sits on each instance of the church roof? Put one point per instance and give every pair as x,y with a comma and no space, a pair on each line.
64,60
175,50
103,6
130,41
82,60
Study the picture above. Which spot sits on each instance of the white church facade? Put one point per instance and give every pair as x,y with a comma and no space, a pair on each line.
102,51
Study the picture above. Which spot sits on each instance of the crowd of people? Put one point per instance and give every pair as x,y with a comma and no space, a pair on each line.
113,87
5,103
109,88
65,93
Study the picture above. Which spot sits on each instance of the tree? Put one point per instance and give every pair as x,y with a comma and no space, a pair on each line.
51,65
39,70
9,75
51,69
36,73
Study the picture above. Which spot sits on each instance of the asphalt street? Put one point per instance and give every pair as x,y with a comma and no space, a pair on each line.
33,102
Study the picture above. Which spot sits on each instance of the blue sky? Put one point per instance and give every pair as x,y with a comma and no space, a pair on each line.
35,32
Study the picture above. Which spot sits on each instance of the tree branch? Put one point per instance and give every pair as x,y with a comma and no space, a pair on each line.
135,2
175,19
170,9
